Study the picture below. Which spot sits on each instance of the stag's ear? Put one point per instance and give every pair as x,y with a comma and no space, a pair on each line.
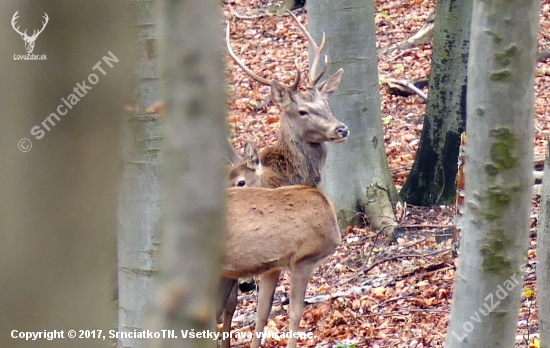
279,94
251,156
330,85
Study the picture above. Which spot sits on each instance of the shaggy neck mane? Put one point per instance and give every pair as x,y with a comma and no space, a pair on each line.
294,161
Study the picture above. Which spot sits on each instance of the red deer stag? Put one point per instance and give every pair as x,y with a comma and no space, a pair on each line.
269,230
300,151
299,154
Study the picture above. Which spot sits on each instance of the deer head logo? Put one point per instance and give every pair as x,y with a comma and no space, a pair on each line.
29,40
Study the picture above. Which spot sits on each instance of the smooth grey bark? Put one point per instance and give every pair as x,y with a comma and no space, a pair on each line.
194,171
499,162
432,177
140,196
356,175
58,200
543,256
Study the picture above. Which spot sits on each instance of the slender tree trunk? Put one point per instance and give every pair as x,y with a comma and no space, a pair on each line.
58,200
357,176
140,192
194,172
432,177
543,256
499,157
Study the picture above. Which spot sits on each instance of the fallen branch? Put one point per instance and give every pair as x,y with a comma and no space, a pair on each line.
425,34
356,290
406,88
425,226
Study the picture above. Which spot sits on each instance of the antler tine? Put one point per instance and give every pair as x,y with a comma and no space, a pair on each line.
46,19
35,32
314,82
14,22
316,51
240,64
14,18
296,82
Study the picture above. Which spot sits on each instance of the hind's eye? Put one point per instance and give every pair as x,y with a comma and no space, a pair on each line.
241,183
303,112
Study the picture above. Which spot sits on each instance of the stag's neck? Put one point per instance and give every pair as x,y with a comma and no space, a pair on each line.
294,161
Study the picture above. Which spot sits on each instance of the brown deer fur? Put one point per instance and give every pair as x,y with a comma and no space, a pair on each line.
302,217
269,230
272,212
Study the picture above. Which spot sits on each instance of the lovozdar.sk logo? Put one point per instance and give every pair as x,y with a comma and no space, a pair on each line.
29,40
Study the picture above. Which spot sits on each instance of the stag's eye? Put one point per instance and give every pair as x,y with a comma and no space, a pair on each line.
241,183
303,113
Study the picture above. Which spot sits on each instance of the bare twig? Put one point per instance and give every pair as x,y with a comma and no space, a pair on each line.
408,85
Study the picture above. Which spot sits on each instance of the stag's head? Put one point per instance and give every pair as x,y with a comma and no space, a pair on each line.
29,40
306,113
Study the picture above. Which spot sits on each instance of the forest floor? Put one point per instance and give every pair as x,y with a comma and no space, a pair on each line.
378,295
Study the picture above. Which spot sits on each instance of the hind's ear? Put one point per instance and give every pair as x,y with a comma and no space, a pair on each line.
251,156
280,94
330,85
233,156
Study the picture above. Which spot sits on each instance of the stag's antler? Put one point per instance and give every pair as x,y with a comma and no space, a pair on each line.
250,73
46,18
13,23
24,34
317,54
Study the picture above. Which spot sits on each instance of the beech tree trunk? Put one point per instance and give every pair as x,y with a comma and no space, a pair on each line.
140,197
356,175
543,256
194,172
499,162
432,177
58,191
